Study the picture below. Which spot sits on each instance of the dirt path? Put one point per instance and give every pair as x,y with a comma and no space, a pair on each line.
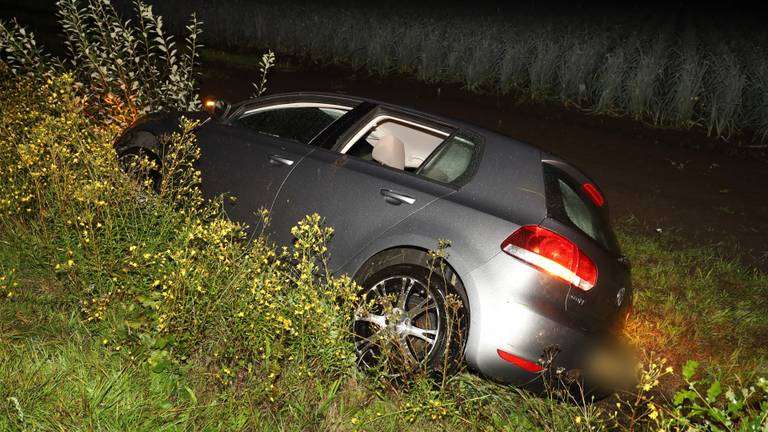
670,181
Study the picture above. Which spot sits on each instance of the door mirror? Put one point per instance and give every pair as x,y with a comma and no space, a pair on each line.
216,108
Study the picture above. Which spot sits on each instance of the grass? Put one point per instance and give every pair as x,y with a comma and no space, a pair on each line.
691,302
57,376
58,371
610,80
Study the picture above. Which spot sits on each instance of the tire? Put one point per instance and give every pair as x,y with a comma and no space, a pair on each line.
409,320
130,158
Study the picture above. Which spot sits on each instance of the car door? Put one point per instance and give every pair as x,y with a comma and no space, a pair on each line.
249,157
359,198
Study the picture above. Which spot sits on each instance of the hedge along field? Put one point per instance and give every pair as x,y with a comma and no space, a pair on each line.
666,67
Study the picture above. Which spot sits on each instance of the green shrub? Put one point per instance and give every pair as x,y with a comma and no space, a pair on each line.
123,68
742,408
161,273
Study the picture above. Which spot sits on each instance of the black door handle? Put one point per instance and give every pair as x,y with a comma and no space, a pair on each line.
277,160
396,198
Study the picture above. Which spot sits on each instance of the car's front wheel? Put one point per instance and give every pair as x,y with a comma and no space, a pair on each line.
143,165
410,319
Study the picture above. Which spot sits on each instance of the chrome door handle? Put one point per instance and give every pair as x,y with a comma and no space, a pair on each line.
277,160
396,198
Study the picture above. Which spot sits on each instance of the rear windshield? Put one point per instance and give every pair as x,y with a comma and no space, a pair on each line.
567,203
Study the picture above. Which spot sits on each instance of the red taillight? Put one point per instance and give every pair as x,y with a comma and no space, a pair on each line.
593,194
519,361
552,253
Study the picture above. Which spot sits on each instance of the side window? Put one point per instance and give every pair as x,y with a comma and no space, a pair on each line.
455,161
400,144
298,123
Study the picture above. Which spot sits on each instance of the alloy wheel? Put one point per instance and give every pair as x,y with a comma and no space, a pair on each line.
401,321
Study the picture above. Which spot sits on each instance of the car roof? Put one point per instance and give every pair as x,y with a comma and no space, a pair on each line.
494,141
349,99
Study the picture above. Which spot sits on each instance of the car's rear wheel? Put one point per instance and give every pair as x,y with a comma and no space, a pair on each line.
409,319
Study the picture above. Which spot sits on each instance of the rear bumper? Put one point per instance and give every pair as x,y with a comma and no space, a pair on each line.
521,311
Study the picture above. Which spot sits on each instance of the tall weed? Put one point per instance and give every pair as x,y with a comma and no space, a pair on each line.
124,68
162,270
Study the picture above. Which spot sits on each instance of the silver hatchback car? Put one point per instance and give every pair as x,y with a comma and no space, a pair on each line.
534,266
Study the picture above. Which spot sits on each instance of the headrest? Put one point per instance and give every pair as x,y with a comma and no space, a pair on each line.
390,151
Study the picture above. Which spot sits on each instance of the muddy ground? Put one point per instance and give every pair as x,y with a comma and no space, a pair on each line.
669,183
